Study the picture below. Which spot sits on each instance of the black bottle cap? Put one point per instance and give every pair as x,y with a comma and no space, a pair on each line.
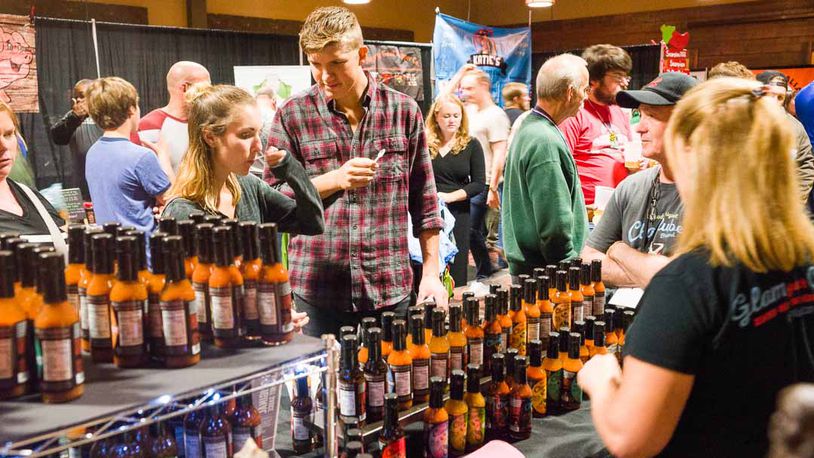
472,378
53,282
455,318
543,284
564,332
599,334
76,244
373,341
610,318
391,411
417,329
562,280
28,276
186,229
579,328
589,327
349,347
456,385
627,318
127,258
520,366
516,297
222,246
39,268
530,291
399,335
90,231
576,262
346,331
585,274
538,272
248,236
522,279
413,310
429,306
498,367
158,264
102,247
465,295
439,316
387,326
11,244
503,299
237,246
535,349
197,216
491,307
573,345
269,248
203,242
596,270
437,386
551,271
573,278
169,225
141,248
493,288
123,230
510,354
6,236
367,323
7,268
111,228
353,449
553,350
173,258
564,265
619,319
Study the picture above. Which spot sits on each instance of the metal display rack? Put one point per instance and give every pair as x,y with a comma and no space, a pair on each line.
120,400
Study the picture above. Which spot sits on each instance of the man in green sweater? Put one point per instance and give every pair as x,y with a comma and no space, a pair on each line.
544,210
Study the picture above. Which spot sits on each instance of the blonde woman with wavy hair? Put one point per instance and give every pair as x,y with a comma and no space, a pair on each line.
458,166
224,139
729,323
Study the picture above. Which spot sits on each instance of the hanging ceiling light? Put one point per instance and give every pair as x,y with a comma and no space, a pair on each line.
540,3
355,2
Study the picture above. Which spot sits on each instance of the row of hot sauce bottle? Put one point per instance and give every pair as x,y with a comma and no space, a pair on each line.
209,280
418,359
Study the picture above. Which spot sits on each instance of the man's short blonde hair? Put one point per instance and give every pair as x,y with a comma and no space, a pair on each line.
512,90
110,100
330,25
731,68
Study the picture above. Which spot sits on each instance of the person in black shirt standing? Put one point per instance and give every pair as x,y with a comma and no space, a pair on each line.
458,165
730,322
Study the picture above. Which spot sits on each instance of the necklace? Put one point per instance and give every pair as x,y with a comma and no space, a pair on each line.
612,136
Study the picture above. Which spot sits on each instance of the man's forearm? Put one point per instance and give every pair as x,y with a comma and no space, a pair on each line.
429,240
498,163
612,273
326,184
639,267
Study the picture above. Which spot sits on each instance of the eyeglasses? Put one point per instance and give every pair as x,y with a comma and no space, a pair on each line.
619,78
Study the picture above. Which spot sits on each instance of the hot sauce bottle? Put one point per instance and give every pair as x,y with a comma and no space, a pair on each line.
492,332
476,404
351,383
57,330
245,422
458,413
533,312
429,306
391,440
225,292
611,340
473,332
192,429
510,359
167,225
589,334
627,320
14,370
387,333
457,340
273,291
439,346
128,297
564,332
186,229
562,302
436,421
200,279
28,299
571,393
586,287
301,407
552,364
577,299
519,329
420,353
250,270
520,402
599,287
163,444
158,279
141,258
536,377
546,307
215,434
400,366
579,328
504,318
497,400
375,376
101,281
182,345
551,273
76,261
367,323
237,248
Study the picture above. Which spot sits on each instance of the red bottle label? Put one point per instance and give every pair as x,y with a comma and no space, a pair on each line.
395,449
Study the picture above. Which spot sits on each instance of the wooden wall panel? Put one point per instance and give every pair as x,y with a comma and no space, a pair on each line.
287,27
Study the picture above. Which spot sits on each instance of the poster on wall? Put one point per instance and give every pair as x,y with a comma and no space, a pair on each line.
503,53
399,67
18,66
799,77
674,53
272,84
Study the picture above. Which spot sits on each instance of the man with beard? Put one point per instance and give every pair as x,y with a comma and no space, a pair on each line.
598,132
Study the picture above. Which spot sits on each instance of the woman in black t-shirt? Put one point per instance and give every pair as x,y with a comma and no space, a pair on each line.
458,166
729,322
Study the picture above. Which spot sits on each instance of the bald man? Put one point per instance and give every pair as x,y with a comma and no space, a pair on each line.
169,123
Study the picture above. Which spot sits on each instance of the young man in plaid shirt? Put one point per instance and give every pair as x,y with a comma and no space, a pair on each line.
363,145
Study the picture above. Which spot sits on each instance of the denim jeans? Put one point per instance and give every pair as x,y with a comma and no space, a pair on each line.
477,235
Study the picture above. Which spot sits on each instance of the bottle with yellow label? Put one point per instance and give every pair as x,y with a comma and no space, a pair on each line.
476,405
536,376
458,413
518,337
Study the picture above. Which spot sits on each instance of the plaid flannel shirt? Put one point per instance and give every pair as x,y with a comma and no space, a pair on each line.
361,262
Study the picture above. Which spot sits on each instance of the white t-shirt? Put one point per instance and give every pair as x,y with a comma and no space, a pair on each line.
489,125
157,125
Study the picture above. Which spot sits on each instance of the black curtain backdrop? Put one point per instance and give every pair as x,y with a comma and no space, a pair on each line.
645,63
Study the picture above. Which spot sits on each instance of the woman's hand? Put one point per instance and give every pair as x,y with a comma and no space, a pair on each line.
599,372
299,319
274,156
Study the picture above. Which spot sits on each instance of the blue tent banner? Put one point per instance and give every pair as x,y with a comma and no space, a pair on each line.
504,54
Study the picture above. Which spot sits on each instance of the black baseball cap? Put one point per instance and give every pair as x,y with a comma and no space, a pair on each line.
665,90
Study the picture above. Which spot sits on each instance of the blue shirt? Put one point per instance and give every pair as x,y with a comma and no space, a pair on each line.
124,179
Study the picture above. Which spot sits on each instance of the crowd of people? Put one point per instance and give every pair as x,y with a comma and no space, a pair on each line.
712,220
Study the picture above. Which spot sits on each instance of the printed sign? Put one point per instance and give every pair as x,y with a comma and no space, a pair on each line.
18,67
